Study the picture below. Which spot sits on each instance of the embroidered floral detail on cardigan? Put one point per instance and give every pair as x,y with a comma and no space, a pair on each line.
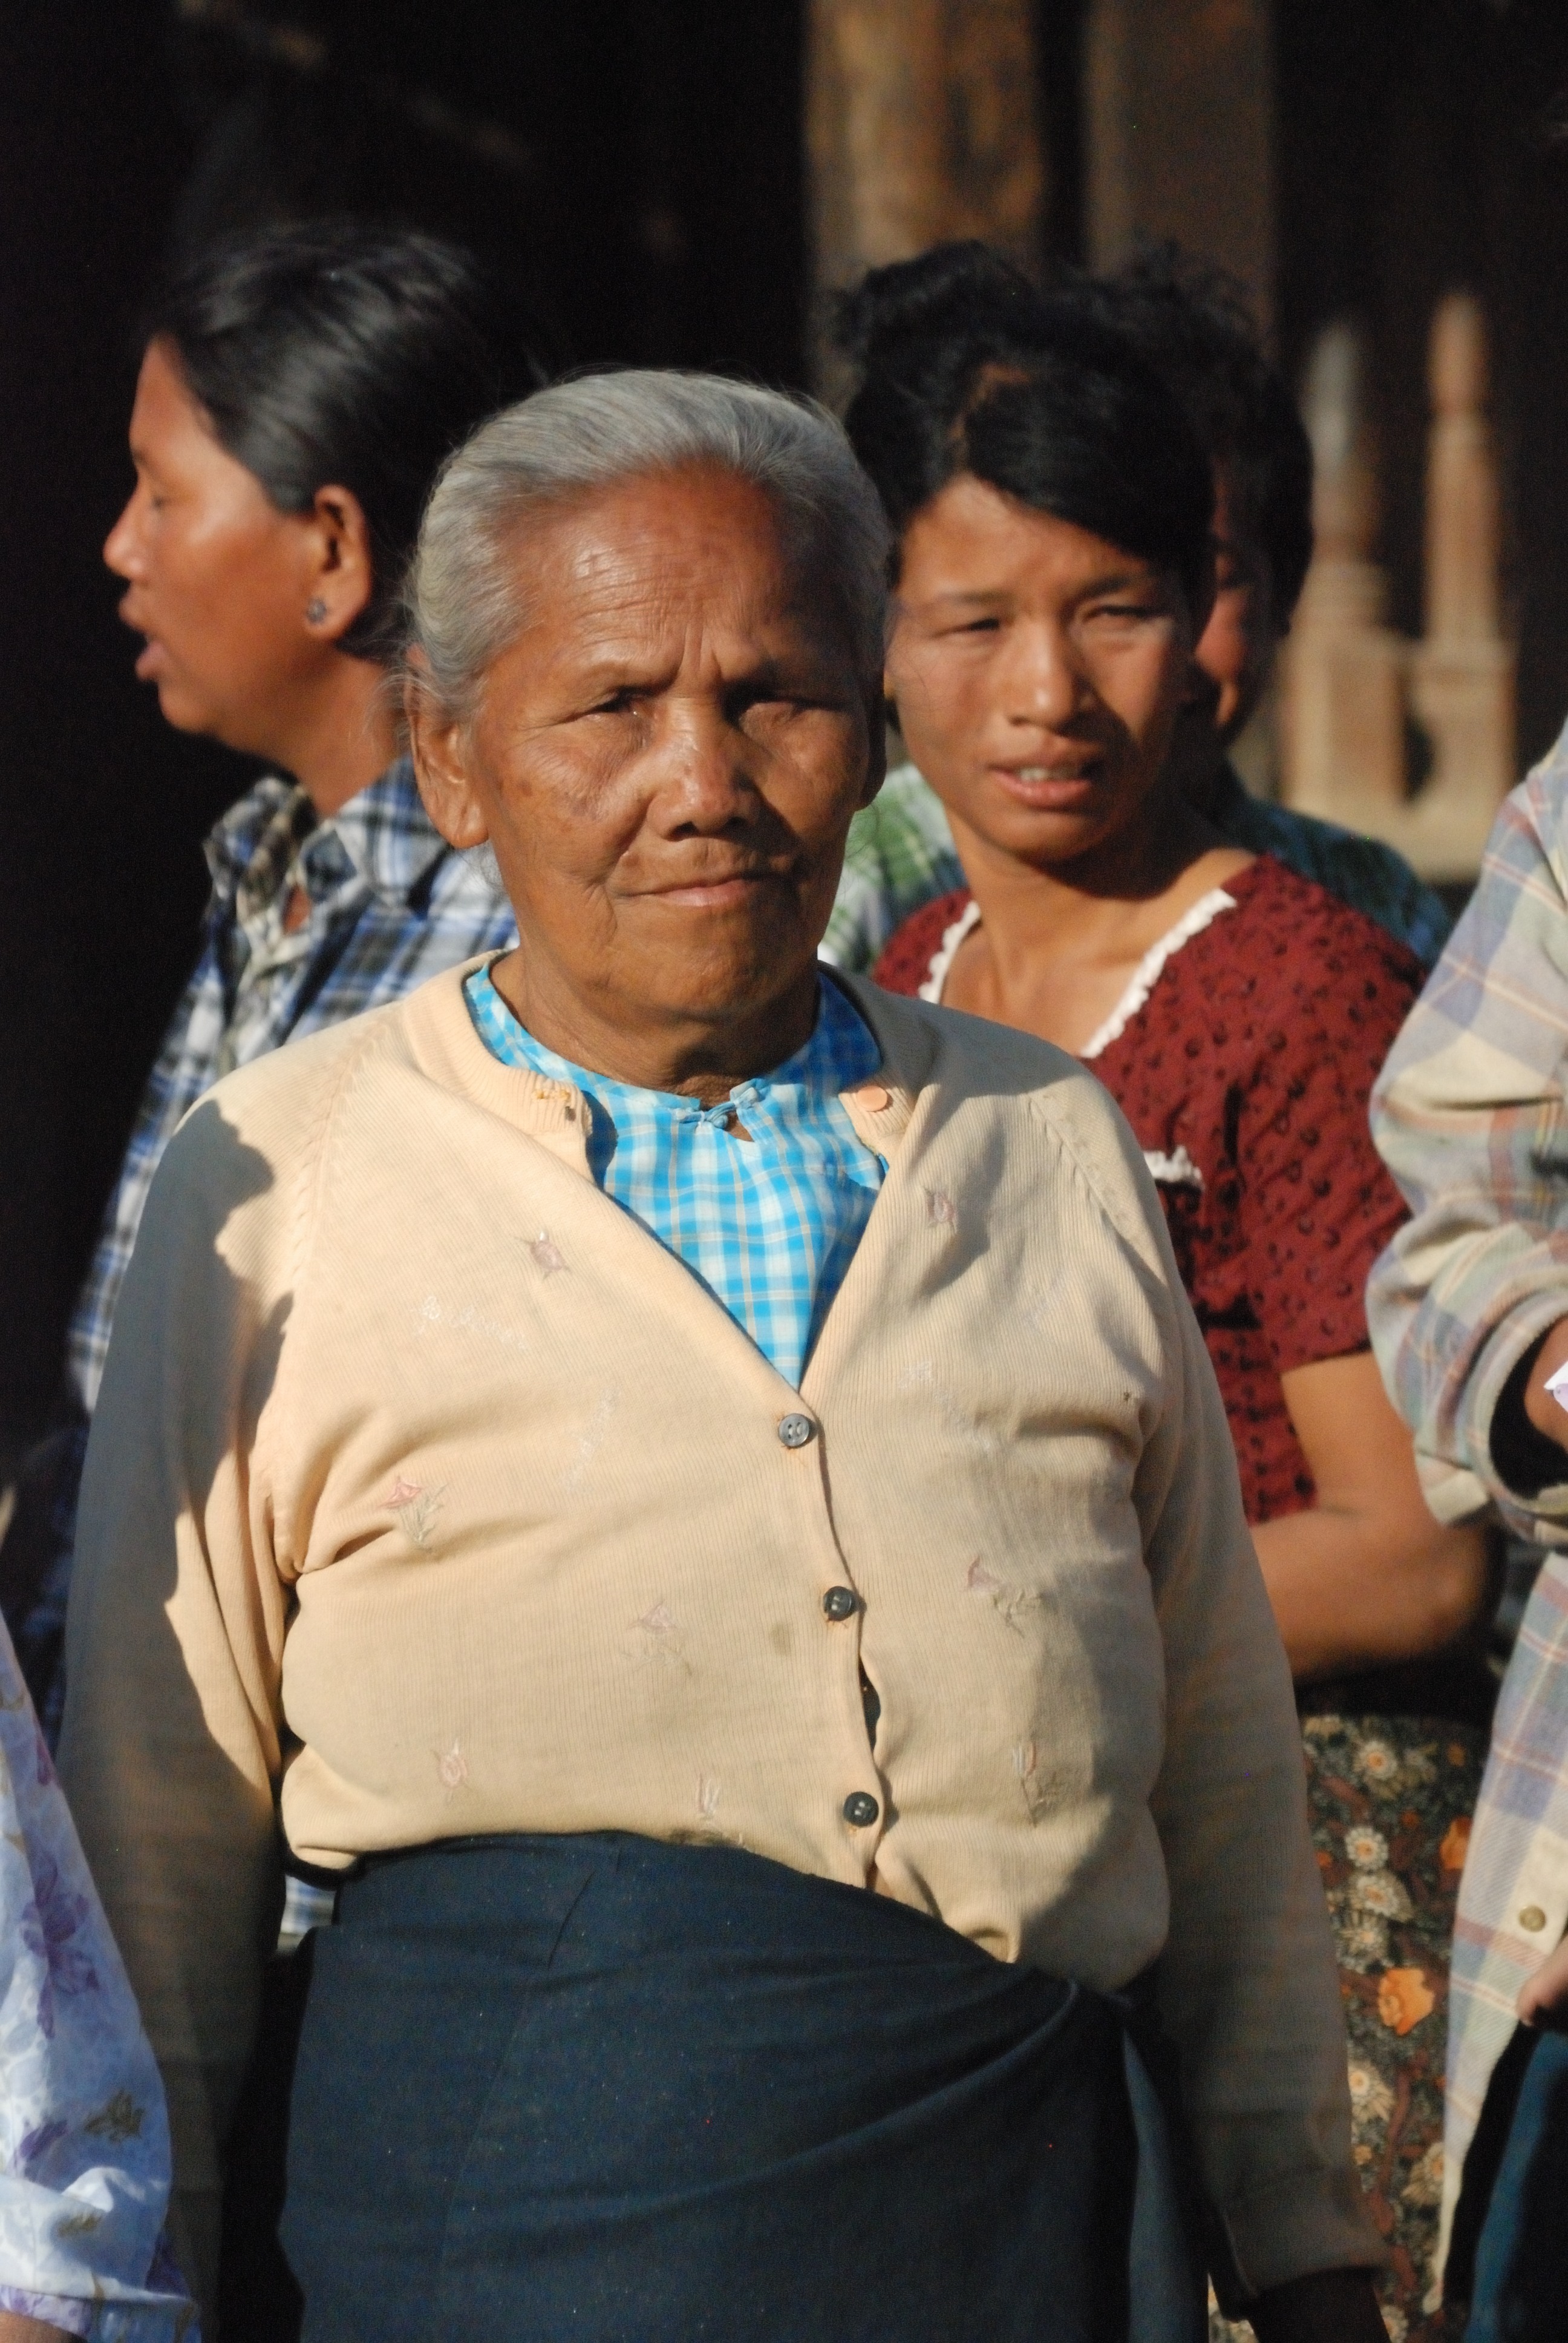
416,1507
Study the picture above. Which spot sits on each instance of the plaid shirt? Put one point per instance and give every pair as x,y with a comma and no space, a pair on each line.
390,904
770,1227
902,854
1470,1114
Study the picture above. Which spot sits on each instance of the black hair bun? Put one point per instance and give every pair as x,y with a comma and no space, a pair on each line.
965,367
954,292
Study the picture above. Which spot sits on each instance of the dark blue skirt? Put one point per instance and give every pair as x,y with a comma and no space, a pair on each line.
602,2088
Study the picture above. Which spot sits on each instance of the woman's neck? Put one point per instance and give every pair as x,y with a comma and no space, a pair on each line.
1056,947
340,735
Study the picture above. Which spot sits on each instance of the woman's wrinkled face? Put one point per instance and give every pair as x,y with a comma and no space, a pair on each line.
217,578
666,756
1038,671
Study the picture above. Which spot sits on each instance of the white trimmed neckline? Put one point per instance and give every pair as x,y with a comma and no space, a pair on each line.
1145,976
946,951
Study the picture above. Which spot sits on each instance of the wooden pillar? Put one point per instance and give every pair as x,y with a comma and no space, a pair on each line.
1179,133
921,125
1348,680
1461,675
1344,670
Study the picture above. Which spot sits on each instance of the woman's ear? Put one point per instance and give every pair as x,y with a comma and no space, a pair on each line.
441,749
341,572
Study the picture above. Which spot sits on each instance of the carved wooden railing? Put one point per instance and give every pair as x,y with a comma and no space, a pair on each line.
1351,686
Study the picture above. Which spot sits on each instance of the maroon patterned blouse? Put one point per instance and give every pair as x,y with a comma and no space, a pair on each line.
1245,1070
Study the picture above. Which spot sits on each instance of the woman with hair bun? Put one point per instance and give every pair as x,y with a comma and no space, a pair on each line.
1052,573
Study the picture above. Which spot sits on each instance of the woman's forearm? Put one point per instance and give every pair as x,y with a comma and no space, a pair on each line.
1350,1591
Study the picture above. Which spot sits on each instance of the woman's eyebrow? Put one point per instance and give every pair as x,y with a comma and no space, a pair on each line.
1116,581
979,598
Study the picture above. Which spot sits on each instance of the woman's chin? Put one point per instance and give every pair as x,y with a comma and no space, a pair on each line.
185,710
1046,841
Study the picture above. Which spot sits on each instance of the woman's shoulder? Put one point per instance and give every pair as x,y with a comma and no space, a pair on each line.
258,1128
1307,918
906,958
984,1075
1290,942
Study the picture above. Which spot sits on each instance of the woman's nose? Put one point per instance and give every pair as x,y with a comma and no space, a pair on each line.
1041,680
122,547
703,781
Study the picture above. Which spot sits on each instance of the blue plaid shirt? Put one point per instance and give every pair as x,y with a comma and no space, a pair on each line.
389,903
770,1227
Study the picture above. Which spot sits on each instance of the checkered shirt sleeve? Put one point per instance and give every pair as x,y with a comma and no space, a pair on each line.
1471,1115
1471,1118
1513,1897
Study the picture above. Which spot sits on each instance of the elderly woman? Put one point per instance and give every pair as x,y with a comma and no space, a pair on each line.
693,1490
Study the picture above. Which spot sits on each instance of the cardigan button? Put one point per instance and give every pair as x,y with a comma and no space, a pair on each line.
840,1603
1534,1918
860,1809
795,1431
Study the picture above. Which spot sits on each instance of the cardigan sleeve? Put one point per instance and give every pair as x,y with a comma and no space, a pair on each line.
171,1746
1248,1986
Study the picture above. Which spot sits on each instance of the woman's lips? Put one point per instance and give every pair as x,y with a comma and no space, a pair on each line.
151,660
1046,791
714,894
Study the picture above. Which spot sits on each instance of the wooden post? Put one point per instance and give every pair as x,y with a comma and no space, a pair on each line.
1179,122
1462,676
1343,674
921,125
1347,679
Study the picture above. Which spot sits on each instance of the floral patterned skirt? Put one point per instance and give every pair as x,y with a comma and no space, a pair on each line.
1389,1800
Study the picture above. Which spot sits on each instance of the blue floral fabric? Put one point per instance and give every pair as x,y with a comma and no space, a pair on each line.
84,2136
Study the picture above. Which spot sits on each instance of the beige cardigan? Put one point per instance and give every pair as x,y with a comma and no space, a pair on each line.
426,1483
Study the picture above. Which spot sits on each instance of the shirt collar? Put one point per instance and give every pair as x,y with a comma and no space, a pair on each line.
841,1055
387,833
232,843
383,835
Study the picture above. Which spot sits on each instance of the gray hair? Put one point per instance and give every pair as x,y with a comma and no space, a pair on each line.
463,598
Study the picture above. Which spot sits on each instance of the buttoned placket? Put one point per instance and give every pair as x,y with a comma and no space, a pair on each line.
557,1114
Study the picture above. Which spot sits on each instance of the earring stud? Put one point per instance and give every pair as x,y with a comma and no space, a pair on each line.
315,610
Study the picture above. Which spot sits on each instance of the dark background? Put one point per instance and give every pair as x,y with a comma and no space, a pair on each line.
641,160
